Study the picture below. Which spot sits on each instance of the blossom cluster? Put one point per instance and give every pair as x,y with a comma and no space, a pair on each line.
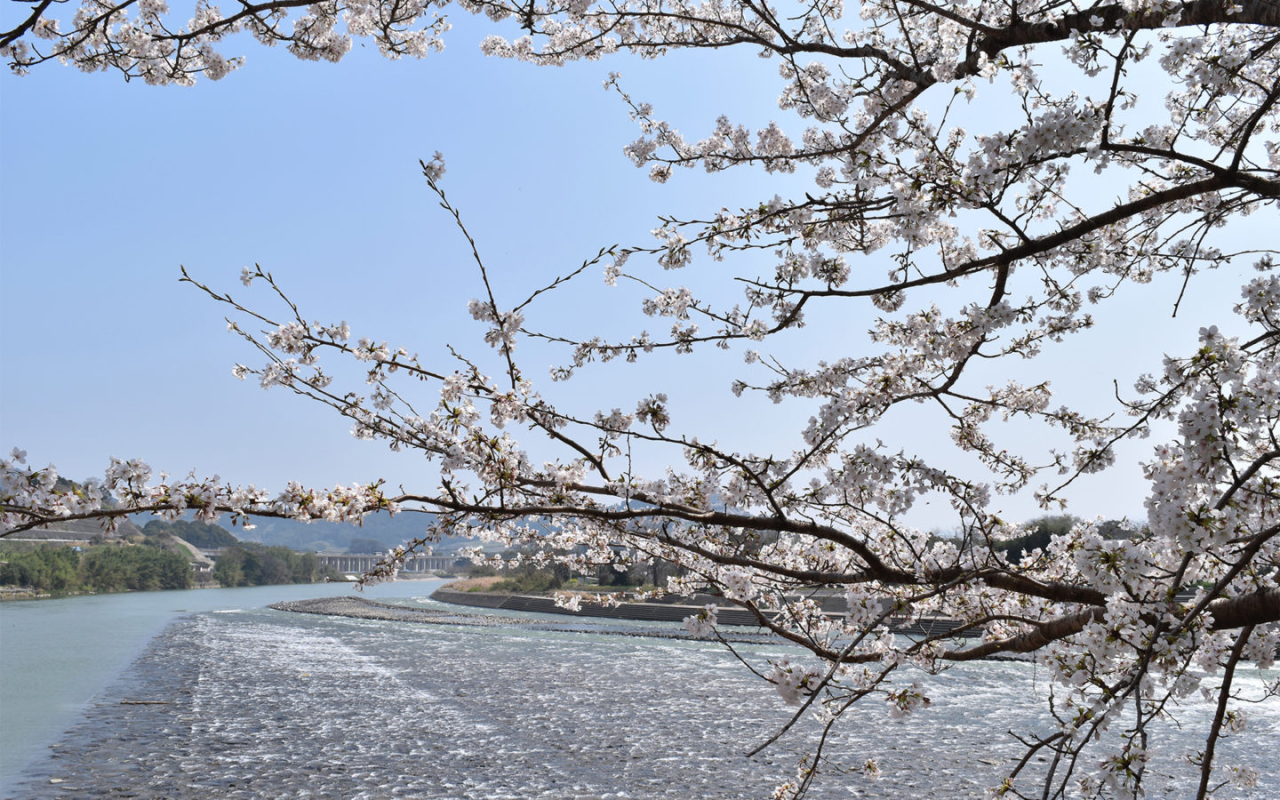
31,497
983,242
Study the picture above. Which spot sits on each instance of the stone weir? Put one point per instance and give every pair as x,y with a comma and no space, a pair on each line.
360,608
664,611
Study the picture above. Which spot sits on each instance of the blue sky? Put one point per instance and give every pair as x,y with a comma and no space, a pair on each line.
310,170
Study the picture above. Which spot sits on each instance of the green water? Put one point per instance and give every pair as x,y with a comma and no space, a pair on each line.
56,655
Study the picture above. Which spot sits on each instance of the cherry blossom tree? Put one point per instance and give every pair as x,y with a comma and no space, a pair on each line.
1137,134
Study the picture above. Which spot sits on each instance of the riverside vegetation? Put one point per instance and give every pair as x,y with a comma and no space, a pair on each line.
151,561
46,569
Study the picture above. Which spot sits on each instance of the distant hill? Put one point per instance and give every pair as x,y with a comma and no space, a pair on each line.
321,536
201,534
75,529
389,531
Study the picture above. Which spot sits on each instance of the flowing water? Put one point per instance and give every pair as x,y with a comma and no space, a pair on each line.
230,699
57,655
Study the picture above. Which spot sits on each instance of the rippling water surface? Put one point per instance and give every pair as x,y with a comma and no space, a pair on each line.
57,655
261,703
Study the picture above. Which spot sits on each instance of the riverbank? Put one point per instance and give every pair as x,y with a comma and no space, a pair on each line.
16,593
8,593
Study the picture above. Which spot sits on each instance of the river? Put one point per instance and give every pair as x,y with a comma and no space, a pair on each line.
56,655
240,700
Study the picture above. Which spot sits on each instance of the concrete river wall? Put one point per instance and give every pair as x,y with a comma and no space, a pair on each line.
653,612
664,611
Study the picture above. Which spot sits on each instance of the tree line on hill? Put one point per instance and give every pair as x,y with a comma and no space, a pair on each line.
203,535
244,563
253,564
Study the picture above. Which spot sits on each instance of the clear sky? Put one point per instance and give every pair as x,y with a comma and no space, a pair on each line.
310,170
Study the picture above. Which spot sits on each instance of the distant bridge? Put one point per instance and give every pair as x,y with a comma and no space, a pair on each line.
352,563
356,563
